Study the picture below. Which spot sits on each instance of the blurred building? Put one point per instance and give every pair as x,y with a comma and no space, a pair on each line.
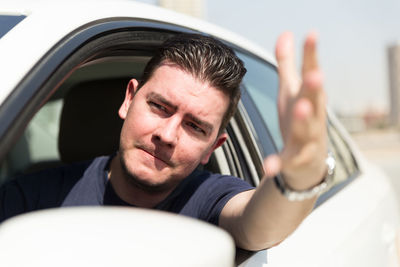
370,119
394,82
353,123
195,8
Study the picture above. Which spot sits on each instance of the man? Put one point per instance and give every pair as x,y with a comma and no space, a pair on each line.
173,120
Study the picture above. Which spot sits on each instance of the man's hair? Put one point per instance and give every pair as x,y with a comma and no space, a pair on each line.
208,60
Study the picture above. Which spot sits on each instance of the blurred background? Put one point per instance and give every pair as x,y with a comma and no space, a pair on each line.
359,50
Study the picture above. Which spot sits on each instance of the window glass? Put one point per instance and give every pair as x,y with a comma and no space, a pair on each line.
8,22
345,163
346,167
261,82
37,144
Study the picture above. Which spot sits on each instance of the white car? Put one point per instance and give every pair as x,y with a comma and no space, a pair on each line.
54,53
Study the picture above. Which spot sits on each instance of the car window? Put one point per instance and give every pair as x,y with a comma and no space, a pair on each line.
7,22
342,152
61,130
261,83
346,165
37,144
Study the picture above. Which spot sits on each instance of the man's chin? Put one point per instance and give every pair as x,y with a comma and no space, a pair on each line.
146,184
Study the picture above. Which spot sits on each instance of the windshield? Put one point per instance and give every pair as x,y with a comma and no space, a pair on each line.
7,22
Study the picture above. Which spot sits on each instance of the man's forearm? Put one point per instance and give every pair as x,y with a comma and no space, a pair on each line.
267,218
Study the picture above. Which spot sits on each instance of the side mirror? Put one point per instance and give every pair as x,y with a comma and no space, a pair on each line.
112,236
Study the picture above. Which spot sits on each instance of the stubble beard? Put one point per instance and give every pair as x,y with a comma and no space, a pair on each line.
146,186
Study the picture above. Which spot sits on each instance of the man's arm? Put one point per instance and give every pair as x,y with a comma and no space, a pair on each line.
264,217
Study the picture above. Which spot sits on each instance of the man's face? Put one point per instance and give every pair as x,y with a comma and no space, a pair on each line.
171,125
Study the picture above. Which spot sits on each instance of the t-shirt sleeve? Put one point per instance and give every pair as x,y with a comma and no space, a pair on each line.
216,192
204,195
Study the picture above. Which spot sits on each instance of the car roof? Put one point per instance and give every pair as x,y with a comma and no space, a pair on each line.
48,22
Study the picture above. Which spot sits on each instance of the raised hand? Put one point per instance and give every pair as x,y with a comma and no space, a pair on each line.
302,116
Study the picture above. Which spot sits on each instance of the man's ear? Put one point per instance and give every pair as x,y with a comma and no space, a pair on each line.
129,94
220,140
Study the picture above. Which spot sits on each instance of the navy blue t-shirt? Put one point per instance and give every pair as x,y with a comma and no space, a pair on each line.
201,195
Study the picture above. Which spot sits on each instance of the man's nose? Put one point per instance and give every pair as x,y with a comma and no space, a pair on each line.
168,131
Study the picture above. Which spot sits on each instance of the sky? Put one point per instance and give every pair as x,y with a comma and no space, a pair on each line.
353,40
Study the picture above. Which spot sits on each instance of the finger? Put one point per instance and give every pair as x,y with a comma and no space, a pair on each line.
313,91
306,126
312,76
310,58
285,55
304,137
301,123
272,166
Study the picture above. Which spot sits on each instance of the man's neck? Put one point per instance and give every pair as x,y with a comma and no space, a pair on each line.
130,193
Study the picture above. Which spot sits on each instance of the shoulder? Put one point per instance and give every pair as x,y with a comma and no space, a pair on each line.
214,191
217,180
51,176
71,172
43,189
208,188
44,184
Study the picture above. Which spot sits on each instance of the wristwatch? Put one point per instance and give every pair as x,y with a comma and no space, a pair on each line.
325,185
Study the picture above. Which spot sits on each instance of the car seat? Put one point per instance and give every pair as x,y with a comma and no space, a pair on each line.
90,125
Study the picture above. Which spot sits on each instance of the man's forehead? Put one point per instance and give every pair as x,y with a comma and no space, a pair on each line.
174,74
196,76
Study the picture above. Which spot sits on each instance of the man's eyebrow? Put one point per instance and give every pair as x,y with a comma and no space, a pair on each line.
160,98
208,127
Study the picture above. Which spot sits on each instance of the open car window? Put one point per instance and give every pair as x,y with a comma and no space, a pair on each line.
77,119
80,121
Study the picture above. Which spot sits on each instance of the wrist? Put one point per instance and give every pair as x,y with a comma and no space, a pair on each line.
307,192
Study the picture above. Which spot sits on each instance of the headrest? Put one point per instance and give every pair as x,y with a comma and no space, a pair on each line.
90,125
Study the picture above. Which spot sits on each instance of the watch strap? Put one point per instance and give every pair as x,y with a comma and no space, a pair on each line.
296,195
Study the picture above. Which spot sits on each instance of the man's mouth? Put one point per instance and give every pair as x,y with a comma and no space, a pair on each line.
156,156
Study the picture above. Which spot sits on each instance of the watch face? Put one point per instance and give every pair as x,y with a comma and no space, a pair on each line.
331,164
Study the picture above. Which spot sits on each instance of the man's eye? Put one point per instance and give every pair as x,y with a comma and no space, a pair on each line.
157,106
195,127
